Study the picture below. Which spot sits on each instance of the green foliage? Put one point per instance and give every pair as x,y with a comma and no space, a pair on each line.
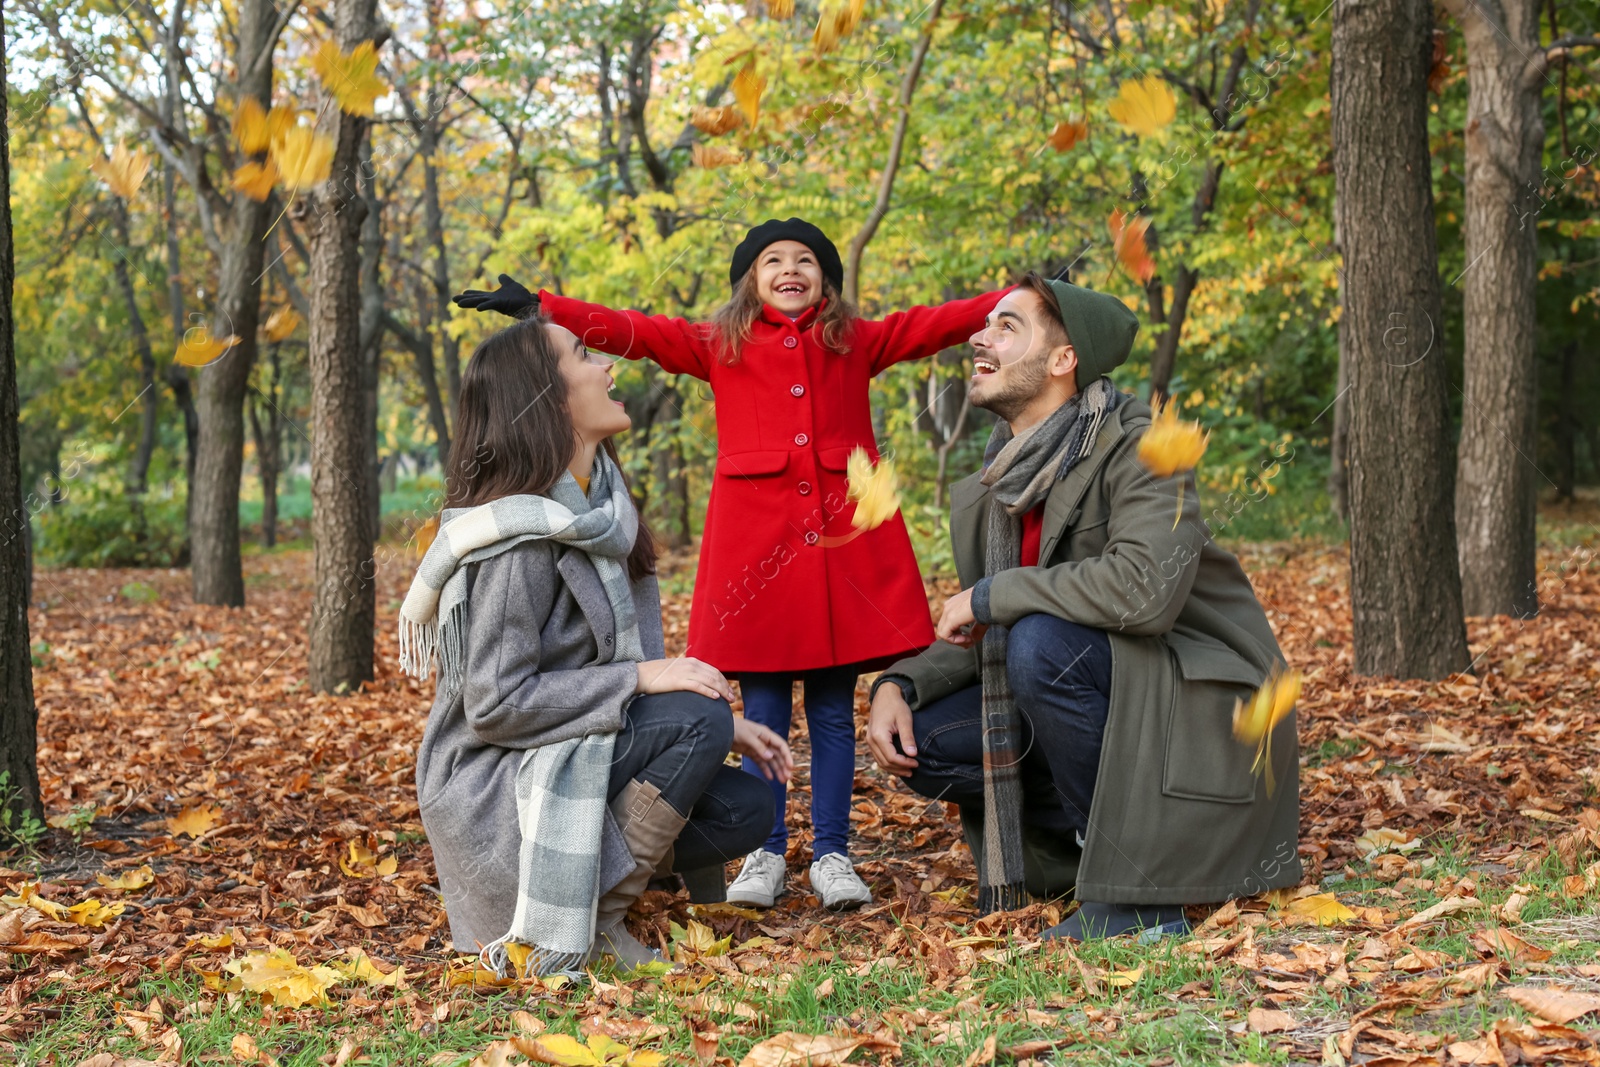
106,529
19,827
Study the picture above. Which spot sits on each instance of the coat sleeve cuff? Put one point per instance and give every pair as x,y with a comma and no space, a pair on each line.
908,688
980,601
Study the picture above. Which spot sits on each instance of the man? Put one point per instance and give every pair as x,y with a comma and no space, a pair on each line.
1078,706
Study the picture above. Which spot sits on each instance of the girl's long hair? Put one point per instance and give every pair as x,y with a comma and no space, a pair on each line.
732,322
514,434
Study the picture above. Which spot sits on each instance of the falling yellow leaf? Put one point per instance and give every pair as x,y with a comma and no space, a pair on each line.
747,89
94,914
1255,719
256,180
825,38
351,77
713,121
281,980
711,156
124,172
281,323
1128,245
1066,134
780,9
847,16
1171,445
303,157
1322,907
196,819
875,490
359,967
128,881
254,130
1146,106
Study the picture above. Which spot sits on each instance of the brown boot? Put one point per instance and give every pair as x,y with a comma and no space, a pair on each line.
649,826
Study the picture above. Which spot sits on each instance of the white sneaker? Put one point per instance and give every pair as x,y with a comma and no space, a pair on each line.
835,880
761,880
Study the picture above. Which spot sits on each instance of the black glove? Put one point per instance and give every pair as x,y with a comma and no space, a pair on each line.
510,299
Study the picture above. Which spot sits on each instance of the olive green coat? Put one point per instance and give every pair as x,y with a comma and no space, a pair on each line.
1177,817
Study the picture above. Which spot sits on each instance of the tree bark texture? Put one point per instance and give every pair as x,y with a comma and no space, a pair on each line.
1497,479
1405,589
215,567
344,612
18,716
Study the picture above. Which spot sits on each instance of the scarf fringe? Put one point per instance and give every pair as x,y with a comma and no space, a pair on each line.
542,963
1009,897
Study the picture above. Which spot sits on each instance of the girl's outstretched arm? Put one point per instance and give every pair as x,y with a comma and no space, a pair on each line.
678,345
921,331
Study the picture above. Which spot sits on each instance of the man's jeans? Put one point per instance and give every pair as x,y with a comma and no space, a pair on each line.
1061,678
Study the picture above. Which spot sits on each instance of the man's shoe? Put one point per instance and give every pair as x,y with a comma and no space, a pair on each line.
838,885
1095,920
761,880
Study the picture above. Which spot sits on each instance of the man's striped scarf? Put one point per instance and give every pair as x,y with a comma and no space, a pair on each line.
1020,472
561,787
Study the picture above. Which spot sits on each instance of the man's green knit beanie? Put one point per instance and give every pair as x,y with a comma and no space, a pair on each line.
1099,326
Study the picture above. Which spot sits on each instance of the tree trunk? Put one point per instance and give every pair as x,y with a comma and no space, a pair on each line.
891,166
215,567
343,613
1339,445
268,461
371,333
1497,481
1567,426
19,793
177,374
1404,587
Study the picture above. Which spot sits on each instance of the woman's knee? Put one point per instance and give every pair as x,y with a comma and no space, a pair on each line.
706,721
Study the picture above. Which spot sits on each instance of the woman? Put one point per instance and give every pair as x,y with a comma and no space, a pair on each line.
565,760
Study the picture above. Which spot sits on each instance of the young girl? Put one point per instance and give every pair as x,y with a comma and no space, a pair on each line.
564,761
786,590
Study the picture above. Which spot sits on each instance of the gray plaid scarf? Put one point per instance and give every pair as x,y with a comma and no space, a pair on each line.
1019,471
561,787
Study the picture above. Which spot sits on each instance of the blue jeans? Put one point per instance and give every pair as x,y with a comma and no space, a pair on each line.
830,707
1060,676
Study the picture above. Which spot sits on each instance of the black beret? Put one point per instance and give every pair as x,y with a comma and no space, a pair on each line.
759,237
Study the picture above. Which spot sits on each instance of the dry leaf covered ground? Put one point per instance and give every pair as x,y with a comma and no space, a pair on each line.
237,874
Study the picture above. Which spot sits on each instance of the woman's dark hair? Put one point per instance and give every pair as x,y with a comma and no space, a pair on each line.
514,434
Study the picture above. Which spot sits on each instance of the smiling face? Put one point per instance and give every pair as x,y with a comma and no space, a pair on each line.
595,415
788,277
1022,362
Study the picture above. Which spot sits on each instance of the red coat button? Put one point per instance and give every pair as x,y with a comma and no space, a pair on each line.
800,439
798,390
789,342
805,488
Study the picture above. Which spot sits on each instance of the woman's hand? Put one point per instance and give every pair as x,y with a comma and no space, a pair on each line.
684,675
763,745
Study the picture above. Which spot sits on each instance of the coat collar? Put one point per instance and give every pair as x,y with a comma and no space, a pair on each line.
801,322
968,521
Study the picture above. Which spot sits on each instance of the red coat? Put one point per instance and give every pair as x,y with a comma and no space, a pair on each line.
780,588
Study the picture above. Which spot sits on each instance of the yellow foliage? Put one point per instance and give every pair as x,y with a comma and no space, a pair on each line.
351,78
359,967
128,881
1146,106
1255,719
254,129
780,9
598,1051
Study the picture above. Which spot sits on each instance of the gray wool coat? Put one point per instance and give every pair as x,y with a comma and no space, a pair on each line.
536,622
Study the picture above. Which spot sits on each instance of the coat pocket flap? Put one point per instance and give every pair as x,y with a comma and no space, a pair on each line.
837,459
1212,661
752,464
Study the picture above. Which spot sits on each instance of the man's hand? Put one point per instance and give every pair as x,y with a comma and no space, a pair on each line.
512,298
957,624
891,718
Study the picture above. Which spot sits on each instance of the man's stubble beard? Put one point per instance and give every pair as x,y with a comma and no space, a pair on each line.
1028,376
